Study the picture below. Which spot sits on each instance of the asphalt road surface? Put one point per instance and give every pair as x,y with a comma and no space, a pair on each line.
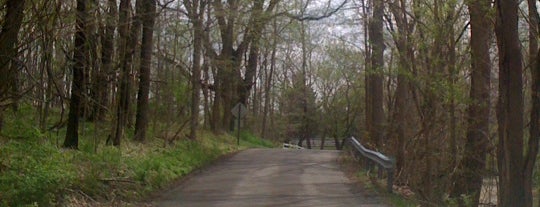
271,177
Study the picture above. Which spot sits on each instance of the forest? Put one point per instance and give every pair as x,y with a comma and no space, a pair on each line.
449,88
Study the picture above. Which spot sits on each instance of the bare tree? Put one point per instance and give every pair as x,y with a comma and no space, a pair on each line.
148,20
229,59
79,66
196,10
125,53
403,96
469,177
534,126
375,116
510,106
8,51
105,77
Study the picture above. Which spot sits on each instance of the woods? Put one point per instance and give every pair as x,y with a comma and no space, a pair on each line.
449,88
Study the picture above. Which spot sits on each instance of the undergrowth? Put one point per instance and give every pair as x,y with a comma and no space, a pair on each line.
34,171
370,183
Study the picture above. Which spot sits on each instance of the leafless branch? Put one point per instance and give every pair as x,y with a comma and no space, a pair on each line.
327,14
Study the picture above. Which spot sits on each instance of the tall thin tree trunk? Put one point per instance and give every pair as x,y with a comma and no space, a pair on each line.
125,55
133,47
107,54
367,67
304,99
403,104
534,126
196,10
148,20
268,84
8,50
92,76
72,133
471,168
206,94
376,38
510,106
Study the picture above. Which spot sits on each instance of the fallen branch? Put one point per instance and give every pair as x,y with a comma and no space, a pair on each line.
119,180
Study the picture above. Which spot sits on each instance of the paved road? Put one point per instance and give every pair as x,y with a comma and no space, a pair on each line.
271,177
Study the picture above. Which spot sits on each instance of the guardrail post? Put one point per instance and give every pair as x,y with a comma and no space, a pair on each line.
390,180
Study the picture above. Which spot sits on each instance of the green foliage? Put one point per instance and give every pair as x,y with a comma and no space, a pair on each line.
300,107
466,199
395,199
21,124
180,90
160,167
399,201
250,140
33,172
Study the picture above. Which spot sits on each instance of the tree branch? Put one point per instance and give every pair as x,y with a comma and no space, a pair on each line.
316,18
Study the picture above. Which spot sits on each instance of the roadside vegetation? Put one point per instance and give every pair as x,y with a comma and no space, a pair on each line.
450,88
400,198
35,171
369,183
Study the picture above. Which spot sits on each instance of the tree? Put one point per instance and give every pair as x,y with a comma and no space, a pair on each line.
228,83
469,177
403,97
79,66
509,106
375,115
8,52
128,30
196,10
148,21
269,74
534,126
104,78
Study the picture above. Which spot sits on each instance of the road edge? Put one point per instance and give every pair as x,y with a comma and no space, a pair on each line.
159,193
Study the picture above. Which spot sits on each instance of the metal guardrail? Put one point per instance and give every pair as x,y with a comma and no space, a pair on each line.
383,161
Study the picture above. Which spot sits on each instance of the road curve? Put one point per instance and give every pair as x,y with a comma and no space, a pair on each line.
270,177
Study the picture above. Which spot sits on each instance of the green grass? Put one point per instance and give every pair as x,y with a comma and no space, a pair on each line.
398,201
250,140
371,184
394,199
34,171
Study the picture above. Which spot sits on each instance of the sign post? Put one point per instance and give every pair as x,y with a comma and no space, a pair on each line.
239,111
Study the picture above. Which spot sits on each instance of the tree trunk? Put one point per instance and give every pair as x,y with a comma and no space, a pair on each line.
304,99
376,39
471,168
402,104
230,59
8,50
72,133
246,85
134,47
196,10
148,20
125,51
268,85
534,130
93,73
107,53
510,106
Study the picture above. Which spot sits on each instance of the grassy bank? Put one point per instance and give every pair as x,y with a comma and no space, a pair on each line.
34,171
370,185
